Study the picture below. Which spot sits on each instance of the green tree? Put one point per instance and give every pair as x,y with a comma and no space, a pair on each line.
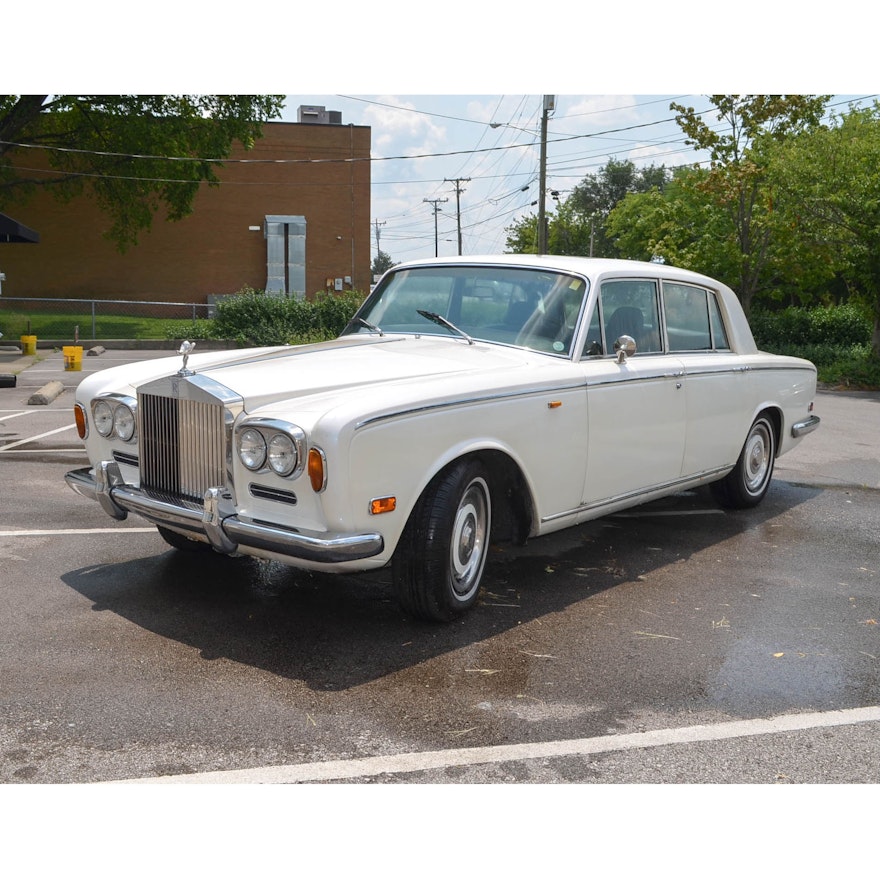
737,180
522,236
593,199
577,227
382,262
830,182
136,154
680,225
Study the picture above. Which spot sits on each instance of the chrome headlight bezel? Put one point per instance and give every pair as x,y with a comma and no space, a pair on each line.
115,417
286,439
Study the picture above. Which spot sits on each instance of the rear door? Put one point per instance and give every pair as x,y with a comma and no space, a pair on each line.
715,382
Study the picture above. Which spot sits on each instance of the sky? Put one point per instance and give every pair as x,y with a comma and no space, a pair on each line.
425,147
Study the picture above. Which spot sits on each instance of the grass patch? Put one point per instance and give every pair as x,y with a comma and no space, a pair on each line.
62,326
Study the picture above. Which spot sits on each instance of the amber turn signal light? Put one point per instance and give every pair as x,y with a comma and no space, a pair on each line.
383,505
79,415
317,469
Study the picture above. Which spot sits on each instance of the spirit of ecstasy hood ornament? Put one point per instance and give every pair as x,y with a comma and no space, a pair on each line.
185,348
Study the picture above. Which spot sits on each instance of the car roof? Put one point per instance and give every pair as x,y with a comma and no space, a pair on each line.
589,266
594,268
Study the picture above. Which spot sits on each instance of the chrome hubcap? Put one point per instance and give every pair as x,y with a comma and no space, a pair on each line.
469,539
757,457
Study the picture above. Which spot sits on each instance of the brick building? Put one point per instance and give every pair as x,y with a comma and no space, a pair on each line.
295,218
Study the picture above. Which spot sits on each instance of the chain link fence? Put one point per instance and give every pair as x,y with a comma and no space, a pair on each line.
95,319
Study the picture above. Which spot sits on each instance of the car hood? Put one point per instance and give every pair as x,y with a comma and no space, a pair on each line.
355,364
366,369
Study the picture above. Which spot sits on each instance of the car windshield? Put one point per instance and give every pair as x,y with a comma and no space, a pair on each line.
532,308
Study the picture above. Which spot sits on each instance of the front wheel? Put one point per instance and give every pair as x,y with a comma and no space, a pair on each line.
181,542
747,484
440,559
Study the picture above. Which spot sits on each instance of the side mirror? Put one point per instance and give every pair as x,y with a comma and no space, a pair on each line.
625,346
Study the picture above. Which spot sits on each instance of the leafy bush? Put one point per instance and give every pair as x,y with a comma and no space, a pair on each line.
253,317
836,339
860,372
845,325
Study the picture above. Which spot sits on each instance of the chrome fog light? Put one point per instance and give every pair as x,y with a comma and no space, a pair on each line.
283,457
251,449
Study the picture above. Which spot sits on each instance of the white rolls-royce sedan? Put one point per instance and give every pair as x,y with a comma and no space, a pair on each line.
470,400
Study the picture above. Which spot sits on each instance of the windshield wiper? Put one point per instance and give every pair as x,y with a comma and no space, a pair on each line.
439,319
372,327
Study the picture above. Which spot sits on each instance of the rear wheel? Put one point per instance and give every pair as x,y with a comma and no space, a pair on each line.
439,562
747,484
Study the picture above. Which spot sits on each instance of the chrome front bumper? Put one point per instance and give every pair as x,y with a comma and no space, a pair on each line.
223,530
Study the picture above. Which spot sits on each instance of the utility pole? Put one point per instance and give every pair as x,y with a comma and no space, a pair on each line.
549,105
435,203
458,181
377,224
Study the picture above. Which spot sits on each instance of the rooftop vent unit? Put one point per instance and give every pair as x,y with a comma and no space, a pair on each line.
318,115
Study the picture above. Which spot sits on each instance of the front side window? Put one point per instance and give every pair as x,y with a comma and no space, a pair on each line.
531,308
630,308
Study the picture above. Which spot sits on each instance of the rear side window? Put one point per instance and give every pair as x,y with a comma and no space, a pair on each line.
693,320
719,334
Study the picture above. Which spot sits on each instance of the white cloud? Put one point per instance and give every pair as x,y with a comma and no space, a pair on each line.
399,129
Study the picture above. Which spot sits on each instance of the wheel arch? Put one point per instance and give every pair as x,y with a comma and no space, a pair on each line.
774,413
513,506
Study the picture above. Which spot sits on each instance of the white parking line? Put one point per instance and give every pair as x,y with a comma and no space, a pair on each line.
421,761
38,533
4,413
36,437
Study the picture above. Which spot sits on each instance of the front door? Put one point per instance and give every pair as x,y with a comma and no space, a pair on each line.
636,407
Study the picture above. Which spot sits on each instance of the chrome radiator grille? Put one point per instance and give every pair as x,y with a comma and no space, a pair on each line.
182,446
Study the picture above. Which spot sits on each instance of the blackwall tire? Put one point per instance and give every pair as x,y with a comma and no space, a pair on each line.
439,563
747,484
181,542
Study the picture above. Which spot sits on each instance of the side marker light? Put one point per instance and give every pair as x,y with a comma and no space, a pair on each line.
383,505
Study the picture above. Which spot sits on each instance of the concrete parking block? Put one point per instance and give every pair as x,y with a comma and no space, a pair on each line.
46,394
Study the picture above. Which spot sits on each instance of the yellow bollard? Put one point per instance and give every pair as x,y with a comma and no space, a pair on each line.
72,357
28,344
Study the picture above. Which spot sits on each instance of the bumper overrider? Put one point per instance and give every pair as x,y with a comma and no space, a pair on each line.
215,523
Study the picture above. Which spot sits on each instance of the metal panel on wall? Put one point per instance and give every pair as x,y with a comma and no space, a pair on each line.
286,254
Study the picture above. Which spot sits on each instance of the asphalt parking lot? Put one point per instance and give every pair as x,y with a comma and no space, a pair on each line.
672,643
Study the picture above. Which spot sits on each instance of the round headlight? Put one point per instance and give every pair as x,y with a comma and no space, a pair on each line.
252,449
282,454
123,422
102,413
